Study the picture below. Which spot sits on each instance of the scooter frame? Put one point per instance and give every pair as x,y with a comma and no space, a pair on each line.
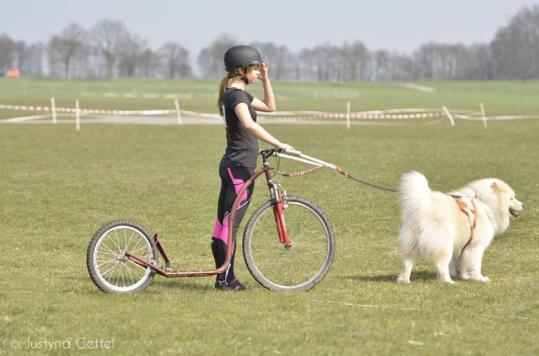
277,195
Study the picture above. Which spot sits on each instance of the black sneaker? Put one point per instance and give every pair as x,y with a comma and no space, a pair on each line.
235,285
219,284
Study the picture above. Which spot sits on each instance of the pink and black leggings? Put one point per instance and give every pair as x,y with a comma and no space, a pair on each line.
232,180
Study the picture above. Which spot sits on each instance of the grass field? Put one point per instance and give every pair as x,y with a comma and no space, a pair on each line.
59,186
499,97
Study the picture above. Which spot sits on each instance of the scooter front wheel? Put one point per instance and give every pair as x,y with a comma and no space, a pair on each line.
298,266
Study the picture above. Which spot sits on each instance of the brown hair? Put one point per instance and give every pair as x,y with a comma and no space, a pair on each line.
222,89
224,84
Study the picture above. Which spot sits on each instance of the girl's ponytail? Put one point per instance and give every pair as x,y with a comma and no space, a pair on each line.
222,89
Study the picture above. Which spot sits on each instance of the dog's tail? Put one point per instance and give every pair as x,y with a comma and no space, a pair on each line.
414,191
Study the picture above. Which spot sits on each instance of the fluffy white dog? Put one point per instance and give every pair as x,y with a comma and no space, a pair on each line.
452,230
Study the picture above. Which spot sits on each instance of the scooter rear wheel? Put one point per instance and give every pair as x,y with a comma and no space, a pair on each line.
107,264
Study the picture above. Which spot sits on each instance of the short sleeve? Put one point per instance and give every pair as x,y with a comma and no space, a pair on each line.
239,96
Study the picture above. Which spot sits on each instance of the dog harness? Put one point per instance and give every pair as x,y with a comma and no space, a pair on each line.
470,211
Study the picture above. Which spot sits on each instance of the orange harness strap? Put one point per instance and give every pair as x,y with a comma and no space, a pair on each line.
473,223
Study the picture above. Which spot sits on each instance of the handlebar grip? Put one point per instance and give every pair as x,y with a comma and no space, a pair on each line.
291,152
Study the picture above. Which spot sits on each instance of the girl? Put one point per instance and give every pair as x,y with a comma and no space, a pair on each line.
238,108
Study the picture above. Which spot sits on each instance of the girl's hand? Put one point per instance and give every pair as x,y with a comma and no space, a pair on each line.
264,75
284,147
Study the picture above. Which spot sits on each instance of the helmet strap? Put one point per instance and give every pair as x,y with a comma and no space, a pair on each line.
244,76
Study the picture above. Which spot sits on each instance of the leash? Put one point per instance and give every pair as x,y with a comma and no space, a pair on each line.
367,183
319,164
471,213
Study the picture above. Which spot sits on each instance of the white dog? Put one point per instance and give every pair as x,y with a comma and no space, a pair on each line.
452,230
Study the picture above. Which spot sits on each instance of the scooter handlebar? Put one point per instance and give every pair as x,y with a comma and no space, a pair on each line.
291,152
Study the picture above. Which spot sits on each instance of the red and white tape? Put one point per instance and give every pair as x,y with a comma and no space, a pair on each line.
285,116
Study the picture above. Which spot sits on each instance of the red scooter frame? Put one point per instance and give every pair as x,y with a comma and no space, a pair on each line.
276,195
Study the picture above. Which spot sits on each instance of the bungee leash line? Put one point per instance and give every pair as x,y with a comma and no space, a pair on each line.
319,164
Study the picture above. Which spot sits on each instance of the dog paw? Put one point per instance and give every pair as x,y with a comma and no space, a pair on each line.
465,276
402,280
447,281
474,277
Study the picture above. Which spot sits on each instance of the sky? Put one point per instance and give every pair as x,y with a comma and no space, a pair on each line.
396,25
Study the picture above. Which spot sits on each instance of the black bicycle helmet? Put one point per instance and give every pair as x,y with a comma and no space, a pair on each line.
241,56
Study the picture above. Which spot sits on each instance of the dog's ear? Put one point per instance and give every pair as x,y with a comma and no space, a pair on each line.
495,188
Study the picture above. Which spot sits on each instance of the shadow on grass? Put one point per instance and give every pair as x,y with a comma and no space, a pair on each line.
153,287
184,283
417,276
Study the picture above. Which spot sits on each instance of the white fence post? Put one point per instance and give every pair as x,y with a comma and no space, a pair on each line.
77,115
449,116
483,114
178,113
53,109
348,115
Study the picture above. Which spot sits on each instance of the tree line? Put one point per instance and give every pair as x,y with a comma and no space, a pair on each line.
109,50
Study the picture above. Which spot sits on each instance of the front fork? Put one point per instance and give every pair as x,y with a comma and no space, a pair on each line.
279,201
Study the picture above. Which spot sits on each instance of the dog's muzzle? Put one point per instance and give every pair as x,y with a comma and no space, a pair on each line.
514,213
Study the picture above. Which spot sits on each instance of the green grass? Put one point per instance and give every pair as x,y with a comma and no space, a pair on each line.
59,186
499,97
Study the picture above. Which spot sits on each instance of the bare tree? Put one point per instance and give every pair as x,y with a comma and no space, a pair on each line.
7,47
148,64
28,58
108,37
331,63
66,46
433,61
356,59
482,62
328,63
307,66
210,59
175,61
280,59
402,67
380,66
130,50
515,47
32,64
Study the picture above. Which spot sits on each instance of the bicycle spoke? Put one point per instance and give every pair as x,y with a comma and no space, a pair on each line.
117,278
130,277
136,245
143,248
102,263
123,280
110,269
114,242
132,267
118,241
108,253
113,249
125,239
129,243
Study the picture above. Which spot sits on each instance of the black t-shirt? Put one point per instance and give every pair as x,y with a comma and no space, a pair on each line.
242,146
